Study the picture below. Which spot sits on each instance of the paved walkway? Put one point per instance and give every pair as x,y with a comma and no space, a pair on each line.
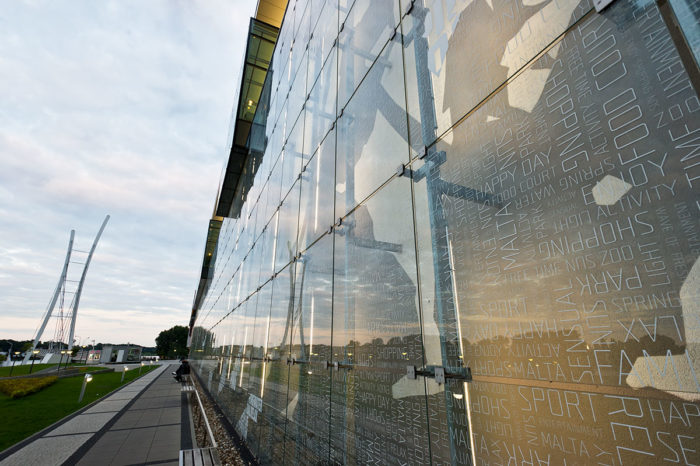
139,424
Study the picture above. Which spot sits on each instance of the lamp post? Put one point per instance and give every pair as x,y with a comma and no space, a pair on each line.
90,349
88,378
87,353
60,361
140,367
124,372
14,361
34,353
68,358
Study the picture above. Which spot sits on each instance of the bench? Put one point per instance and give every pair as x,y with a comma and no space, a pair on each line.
200,457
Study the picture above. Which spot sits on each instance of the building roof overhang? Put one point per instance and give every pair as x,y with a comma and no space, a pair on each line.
271,11
261,42
262,38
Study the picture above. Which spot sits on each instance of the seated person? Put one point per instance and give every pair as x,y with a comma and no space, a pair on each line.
184,369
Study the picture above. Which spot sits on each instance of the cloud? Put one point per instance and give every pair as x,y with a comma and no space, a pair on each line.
118,107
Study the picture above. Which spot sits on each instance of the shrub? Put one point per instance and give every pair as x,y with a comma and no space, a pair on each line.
17,388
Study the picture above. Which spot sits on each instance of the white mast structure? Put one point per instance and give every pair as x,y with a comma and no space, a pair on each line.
60,292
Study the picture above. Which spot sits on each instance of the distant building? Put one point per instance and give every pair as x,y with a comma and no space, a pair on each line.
120,353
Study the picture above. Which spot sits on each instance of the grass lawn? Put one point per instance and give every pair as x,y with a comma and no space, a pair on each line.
24,369
23,417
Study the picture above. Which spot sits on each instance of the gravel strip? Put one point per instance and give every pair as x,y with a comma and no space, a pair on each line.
226,446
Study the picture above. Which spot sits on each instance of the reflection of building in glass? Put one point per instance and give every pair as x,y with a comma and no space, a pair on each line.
460,232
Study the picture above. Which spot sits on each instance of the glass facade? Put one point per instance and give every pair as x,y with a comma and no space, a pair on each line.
471,237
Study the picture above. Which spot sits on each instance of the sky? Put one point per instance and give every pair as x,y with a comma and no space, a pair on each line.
121,108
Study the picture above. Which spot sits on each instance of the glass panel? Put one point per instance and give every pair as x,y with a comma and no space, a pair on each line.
465,50
229,396
301,37
419,90
274,144
376,335
284,123
237,325
260,213
343,8
223,339
272,418
267,206
267,160
226,392
274,187
243,243
580,426
556,251
292,158
273,105
258,350
276,370
297,95
284,43
366,30
322,39
284,68
267,251
250,272
253,197
688,17
309,381
257,262
317,183
281,315
258,338
286,238
372,132
296,10
277,115
247,338
320,108
314,12
305,6
250,226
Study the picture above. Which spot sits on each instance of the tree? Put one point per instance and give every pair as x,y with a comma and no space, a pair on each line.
172,343
16,345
